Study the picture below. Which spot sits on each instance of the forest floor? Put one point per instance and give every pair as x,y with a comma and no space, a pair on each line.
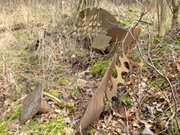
36,46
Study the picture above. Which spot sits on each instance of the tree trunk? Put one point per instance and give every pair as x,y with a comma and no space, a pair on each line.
161,17
82,4
175,12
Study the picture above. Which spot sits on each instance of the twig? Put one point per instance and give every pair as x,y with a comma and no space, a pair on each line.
55,99
164,76
149,23
140,18
170,84
167,123
157,70
127,123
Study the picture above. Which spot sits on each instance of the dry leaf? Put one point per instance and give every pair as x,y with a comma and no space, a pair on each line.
141,63
147,131
122,68
115,81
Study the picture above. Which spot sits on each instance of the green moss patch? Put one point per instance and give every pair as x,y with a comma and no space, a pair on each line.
100,67
16,113
178,40
3,127
54,126
127,101
158,83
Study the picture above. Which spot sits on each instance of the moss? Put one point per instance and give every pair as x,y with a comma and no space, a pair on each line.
178,40
124,22
16,113
70,106
3,127
31,127
75,93
157,40
174,128
127,101
91,132
178,80
9,118
177,47
100,67
158,63
54,126
135,56
158,82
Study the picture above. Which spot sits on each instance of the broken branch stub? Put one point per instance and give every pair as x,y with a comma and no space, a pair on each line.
31,104
96,104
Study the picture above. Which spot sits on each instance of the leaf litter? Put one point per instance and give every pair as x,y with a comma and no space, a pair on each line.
150,112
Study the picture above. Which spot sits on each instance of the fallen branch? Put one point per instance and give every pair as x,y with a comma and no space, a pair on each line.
53,98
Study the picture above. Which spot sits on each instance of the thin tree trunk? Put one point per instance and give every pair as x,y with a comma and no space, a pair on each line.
175,12
161,17
87,4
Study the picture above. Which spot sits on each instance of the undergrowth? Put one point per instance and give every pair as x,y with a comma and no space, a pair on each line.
3,127
51,127
98,69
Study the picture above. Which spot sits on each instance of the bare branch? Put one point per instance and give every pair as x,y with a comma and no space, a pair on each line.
164,76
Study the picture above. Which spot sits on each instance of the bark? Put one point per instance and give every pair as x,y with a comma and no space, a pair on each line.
161,16
175,12
82,4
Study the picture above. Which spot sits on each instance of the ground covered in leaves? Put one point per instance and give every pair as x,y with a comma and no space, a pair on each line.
40,47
